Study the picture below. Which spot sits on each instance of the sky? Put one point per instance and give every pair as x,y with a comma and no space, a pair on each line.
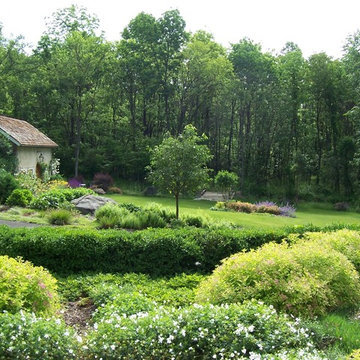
314,25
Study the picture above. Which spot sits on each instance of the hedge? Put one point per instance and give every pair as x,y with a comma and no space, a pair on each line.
153,251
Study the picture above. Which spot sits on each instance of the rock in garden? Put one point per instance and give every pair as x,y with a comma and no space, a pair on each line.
88,204
99,191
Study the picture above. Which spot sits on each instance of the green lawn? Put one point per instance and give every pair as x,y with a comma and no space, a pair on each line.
317,214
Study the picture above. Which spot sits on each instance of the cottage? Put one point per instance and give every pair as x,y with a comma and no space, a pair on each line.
32,147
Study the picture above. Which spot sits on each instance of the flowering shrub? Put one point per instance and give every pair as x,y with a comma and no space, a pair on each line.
31,182
24,336
287,210
249,330
24,286
295,279
124,303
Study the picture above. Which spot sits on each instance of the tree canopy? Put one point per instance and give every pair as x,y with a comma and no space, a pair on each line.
286,125
178,164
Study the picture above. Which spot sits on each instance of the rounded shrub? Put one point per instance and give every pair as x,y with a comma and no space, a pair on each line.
305,279
200,332
28,287
20,197
25,336
345,241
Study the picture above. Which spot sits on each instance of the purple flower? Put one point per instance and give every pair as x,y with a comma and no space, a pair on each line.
74,183
287,210
265,203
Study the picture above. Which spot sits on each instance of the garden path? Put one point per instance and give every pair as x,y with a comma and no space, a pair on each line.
17,224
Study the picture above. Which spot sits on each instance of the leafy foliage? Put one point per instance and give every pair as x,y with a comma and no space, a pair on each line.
239,331
178,165
226,182
8,159
20,197
23,286
295,279
26,336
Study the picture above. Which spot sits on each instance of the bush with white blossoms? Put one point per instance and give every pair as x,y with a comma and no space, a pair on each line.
250,330
25,336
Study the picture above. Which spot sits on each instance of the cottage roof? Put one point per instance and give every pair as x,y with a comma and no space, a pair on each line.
22,133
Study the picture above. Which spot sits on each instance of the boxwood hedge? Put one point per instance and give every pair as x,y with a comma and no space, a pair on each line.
153,251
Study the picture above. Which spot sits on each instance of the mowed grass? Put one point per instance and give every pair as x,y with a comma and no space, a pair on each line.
307,213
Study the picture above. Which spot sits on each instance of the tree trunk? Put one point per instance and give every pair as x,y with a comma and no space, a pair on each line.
177,205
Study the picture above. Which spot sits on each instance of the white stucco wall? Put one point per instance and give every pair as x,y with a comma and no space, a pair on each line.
28,157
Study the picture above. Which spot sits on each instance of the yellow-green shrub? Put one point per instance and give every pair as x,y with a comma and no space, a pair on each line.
345,241
355,355
305,279
28,287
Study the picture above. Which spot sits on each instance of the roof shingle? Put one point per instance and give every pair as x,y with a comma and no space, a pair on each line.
24,134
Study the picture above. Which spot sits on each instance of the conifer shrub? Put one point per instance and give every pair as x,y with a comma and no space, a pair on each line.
8,184
20,197
305,278
26,287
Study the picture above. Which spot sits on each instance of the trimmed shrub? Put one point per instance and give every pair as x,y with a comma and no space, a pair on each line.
20,197
201,332
60,217
25,336
305,279
8,184
23,286
155,251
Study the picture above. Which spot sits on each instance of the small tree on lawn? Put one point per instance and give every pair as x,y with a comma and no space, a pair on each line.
226,182
178,165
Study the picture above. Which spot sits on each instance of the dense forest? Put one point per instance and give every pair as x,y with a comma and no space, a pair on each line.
288,126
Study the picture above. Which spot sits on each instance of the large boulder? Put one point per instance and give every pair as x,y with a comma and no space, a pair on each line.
88,204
